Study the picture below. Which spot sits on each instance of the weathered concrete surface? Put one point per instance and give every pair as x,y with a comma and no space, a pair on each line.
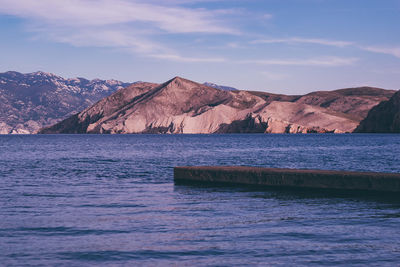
342,180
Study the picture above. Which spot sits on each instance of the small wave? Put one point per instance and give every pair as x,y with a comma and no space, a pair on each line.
115,255
55,231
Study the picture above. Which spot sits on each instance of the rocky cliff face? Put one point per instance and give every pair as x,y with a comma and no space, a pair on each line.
183,106
383,118
30,101
355,102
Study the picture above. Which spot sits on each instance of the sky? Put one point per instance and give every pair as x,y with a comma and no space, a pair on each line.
278,46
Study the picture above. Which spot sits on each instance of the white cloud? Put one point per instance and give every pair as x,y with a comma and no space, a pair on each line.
323,62
122,24
138,27
295,40
106,12
102,37
393,51
179,58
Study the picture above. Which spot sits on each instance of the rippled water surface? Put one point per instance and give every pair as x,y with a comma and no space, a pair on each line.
84,200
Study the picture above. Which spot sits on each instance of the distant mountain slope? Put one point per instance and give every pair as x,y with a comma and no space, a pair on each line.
33,100
183,106
355,102
383,118
221,87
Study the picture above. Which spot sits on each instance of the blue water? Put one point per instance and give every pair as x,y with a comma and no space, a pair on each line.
84,200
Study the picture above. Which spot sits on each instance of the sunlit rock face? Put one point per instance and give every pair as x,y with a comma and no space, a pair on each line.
31,101
383,118
183,106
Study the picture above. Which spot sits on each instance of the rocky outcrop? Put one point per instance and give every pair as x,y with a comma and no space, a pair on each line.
183,106
31,101
355,102
384,118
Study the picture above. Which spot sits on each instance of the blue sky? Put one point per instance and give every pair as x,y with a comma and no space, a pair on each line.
280,46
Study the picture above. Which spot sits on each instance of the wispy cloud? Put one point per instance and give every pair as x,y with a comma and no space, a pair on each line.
132,25
179,58
102,37
393,51
106,12
295,40
141,27
323,61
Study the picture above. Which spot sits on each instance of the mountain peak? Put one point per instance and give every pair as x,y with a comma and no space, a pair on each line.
179,79
179,82
42,73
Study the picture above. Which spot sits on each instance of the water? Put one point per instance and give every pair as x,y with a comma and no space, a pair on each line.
84,200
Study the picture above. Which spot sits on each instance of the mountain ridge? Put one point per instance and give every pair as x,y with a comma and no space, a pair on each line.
31,101
183,106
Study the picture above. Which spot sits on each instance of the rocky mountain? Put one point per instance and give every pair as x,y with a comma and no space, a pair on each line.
183,106
31,101
383,118
354,102
221,87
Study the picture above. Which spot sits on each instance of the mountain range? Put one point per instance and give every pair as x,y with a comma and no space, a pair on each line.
39,100
31,101
183,106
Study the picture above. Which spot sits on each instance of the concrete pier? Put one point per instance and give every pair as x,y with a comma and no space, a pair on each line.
341,180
